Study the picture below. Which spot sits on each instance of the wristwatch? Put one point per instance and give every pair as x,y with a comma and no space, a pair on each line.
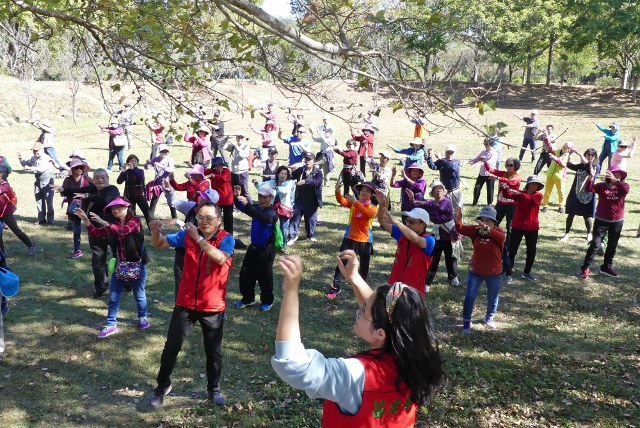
200,238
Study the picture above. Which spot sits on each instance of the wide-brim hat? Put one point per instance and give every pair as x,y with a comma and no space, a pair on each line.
163,148
37,146
368,184
488,212
9,283
533,179
75,162
418,213
369,128
416,165
239,134
616,168
435,184
202,129
197,169
218,160
210,195
417,141
386,154
623,144
119,201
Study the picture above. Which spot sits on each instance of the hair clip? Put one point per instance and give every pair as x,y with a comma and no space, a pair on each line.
392,297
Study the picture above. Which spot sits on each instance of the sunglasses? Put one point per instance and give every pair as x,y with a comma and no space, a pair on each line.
509,164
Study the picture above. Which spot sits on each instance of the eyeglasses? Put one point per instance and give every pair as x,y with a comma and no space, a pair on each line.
509,164
206,218
360,314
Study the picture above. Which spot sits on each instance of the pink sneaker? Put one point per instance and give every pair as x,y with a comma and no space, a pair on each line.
584,274
107,331
77,254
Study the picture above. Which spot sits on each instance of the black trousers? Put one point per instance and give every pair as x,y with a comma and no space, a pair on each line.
531,240
451,262
588,223
142,203
508,211
543,160
227,218
242,180
257,266
11,223
480,181
363,250
152,209
181,322
100,248
178,268
610,229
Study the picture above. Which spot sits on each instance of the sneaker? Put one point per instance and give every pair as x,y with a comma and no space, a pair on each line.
292,241
507,279
216,397
240,305
455,282
529,277
158,397
584,274
489,321
143,323
313,239
32,250
107,331
333,292
544,209
76,254
565,238
98,294
590,237
466,327
264,307
608,270
561,210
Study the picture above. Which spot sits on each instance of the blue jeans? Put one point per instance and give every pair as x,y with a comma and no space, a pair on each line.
51,152
284,226
76,228
115,291
119,151
310,212
605,154
473,285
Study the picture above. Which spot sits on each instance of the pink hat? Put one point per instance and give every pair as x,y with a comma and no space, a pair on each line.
117,202
75,162
197,170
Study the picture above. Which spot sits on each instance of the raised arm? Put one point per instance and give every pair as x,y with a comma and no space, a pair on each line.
349,270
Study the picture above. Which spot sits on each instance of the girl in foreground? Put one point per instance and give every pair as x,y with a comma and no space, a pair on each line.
380,387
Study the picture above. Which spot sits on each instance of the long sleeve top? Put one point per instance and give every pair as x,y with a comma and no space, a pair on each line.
487,250
199,145
181,205
163,167
239,157
41,166
340,380
262,221
504,197
221,183
611,199
610,137
296,148
192,188
112,133
133,180
527,209
47,134
325,143
349,157
97,200
311,191
413,155
6,206
558,167
285,192
366,144
361,215
449,172
486,157
120,231
417,188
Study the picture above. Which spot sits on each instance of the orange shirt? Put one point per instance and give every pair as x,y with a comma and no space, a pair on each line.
360,219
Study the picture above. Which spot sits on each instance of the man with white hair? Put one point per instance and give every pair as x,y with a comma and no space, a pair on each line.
258,261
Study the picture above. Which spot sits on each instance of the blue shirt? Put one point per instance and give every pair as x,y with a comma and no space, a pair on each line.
449,172
295,151
430,240
262,222
176,240
413,155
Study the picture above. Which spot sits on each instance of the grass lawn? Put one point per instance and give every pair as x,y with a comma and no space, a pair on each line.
566,352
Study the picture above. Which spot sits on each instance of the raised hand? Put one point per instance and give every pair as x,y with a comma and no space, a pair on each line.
292,269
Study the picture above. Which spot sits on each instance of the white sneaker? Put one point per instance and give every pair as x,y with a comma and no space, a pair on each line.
455,282
507,279
292,241
589,237
313,239
565,238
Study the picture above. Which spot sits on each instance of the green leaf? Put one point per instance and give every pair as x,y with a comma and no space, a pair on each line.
364,82
491,104
468,99
116,87
224,104
395,106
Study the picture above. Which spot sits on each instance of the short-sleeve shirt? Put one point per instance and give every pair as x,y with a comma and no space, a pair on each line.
430,240
176,240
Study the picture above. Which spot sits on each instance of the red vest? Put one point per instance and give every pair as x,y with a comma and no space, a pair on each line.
382,405
410,266
203,286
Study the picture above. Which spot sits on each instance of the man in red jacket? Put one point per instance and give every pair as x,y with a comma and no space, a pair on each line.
201,295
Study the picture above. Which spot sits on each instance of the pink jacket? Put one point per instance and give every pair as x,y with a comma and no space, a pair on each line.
199,144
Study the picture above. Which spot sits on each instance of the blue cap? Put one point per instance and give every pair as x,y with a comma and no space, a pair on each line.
218,160
9,283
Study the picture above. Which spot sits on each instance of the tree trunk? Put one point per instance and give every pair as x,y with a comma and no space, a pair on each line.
500,73
635,87
625,74
528,77
425,66
511,70
552,42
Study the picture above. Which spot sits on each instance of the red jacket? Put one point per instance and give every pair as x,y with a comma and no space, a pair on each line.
487,250
203,286
221,183
527,207
191,187
366,144
382,405
514,183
